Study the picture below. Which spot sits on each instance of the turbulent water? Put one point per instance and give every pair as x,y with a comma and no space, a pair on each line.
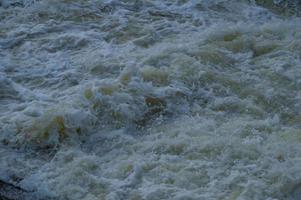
152,99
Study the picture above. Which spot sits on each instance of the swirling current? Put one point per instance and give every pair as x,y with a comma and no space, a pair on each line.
150,99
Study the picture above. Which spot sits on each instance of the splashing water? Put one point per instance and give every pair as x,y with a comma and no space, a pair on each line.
151,99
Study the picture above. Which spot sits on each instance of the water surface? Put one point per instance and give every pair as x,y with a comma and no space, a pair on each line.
179,100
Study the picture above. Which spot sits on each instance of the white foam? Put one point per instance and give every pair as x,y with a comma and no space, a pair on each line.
150,100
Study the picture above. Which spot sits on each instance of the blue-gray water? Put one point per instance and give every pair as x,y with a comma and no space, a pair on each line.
150,100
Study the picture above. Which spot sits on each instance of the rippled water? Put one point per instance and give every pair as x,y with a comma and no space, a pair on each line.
184,100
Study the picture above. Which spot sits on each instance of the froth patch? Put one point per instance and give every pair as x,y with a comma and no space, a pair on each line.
56,126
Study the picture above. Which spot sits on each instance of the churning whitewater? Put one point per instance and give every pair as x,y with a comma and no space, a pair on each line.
150,99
